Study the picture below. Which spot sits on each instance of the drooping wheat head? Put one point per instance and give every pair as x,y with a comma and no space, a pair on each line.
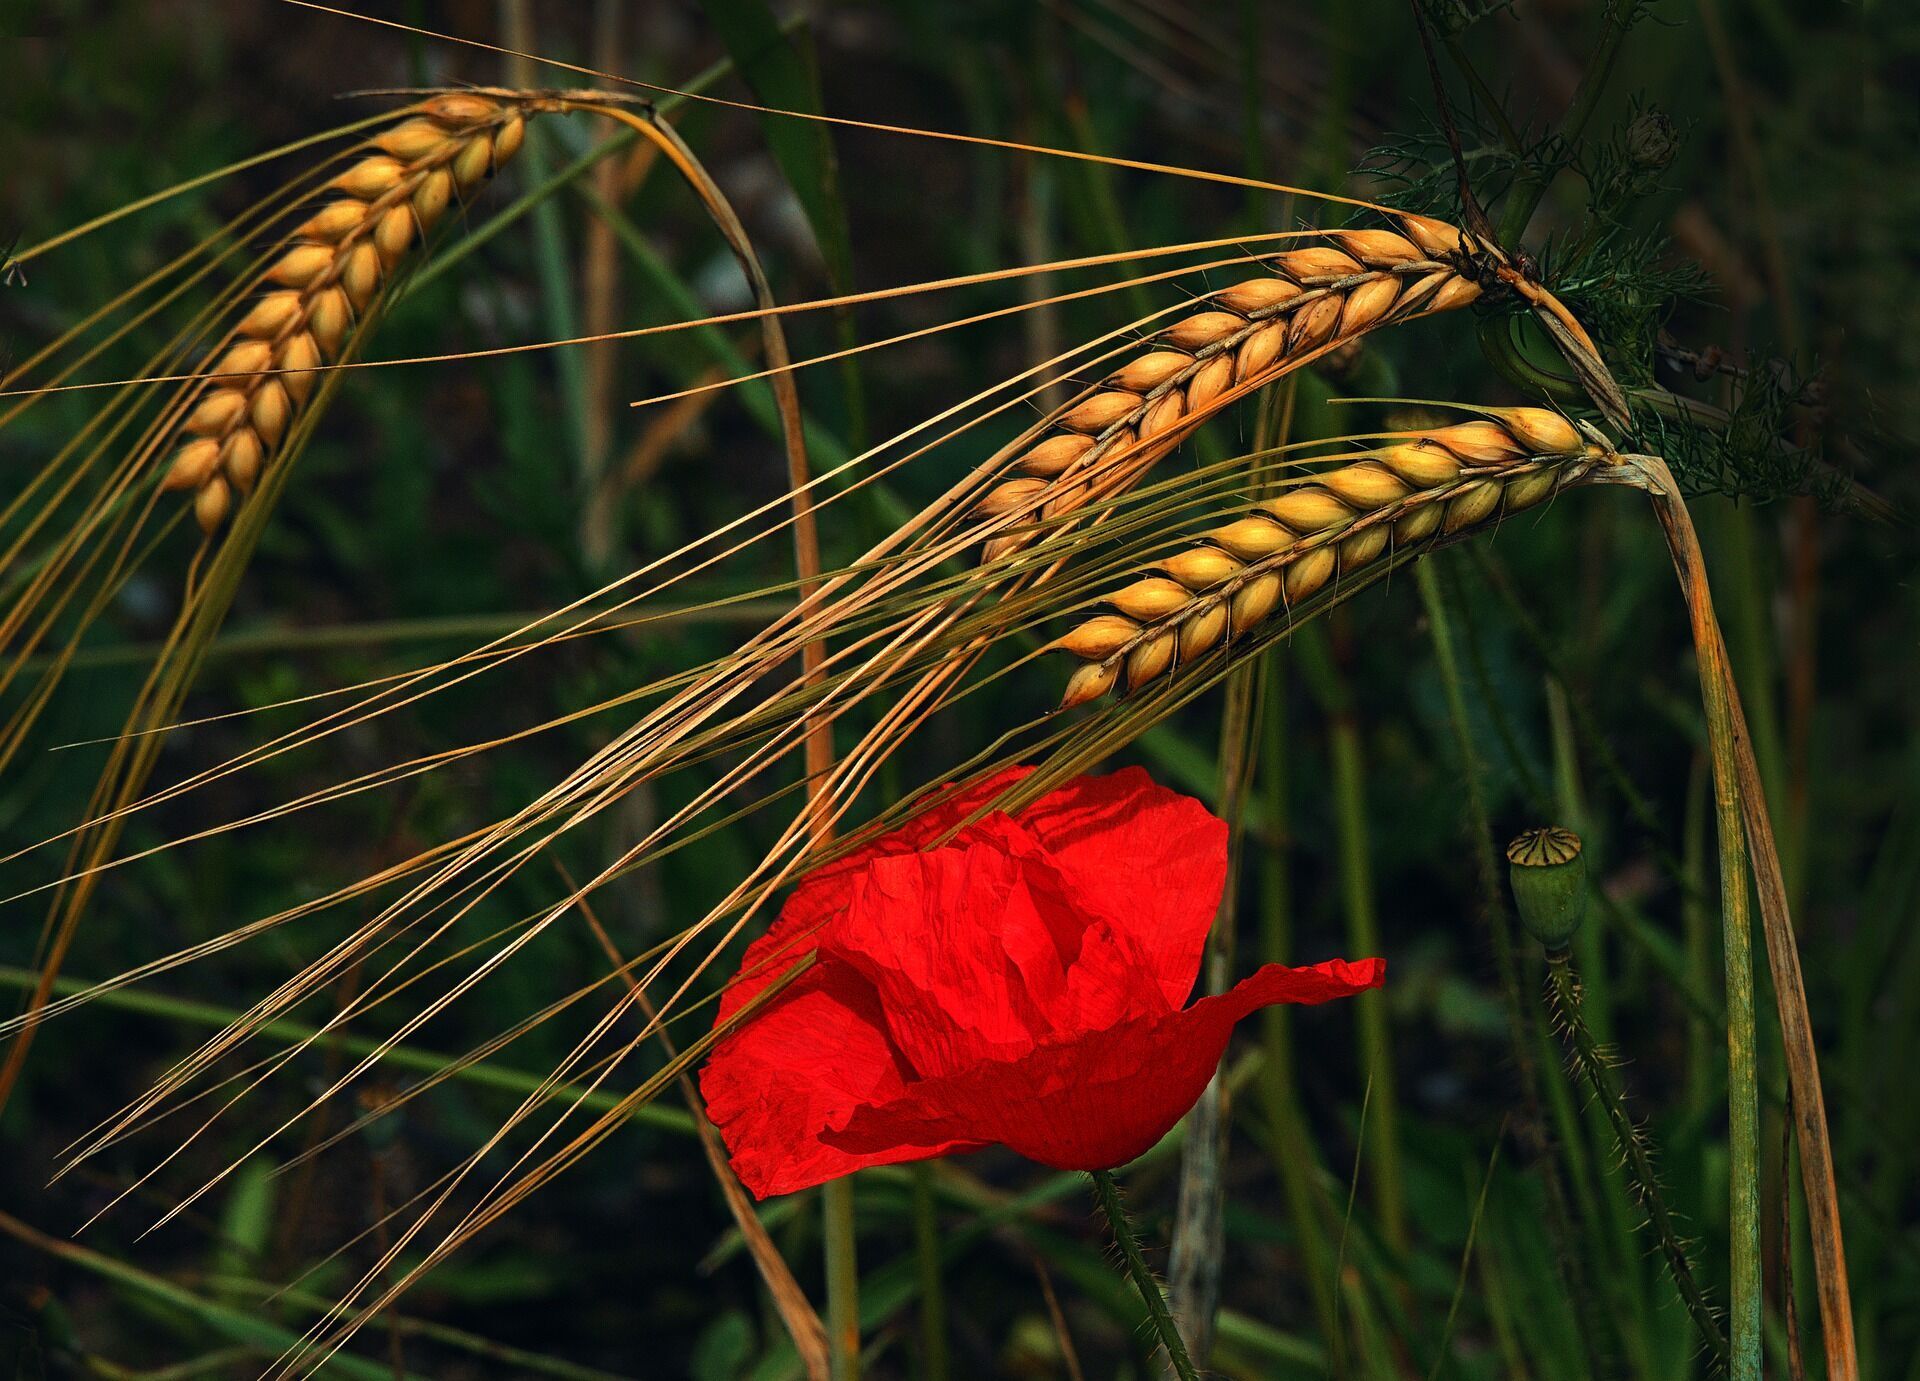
1426,487
1245,337
336,264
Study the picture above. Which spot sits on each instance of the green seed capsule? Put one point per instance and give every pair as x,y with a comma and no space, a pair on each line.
1549,880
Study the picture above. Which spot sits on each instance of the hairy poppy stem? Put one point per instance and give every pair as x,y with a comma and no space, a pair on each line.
1591,1063
1107,1194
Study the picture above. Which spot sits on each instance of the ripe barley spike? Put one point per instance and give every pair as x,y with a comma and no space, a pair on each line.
1426,488
335,265
1244,338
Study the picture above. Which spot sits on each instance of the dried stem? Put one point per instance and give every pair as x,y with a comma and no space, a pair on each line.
843,1275
1737,785
789,1300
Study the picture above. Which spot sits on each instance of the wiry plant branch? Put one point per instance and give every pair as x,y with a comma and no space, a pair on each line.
1591,1064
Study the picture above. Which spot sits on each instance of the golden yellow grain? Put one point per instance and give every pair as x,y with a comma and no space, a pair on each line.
1440,484
337,263
1242,338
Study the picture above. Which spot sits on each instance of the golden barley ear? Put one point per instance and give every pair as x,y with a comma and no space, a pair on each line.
253,401
1426,487
338,261
1318,299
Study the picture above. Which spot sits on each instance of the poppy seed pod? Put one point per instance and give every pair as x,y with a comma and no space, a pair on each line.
1548,874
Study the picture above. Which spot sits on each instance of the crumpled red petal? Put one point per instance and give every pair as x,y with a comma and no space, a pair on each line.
823,894
979,953
1101,1099
963,947
1019,982
1151,861
801,1066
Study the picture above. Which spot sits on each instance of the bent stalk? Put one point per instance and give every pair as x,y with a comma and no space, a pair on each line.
1741,806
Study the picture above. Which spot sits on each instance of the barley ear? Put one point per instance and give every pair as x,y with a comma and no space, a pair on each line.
1243,338
1430,487
336,263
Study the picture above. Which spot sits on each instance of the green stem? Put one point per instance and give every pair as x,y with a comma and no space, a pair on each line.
1499,923
1743,1084
244,1327
1624,1272
277,638
1743,1096
552,256
1107,1194
1737,779
843,1280
1528,192
933,1295
1584,1053
1199,1225
1746,590
407,1057
1696,928
1348,773
1296,1160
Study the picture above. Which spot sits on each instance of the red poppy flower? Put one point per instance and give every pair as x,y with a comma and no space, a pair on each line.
1021,983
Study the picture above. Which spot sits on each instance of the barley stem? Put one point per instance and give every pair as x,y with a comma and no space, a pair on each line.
552,262
1107,1195
1199,1228
1737,779
1621,1215
1743,1101
1296,1160
843,1271
843,1280
478,1073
